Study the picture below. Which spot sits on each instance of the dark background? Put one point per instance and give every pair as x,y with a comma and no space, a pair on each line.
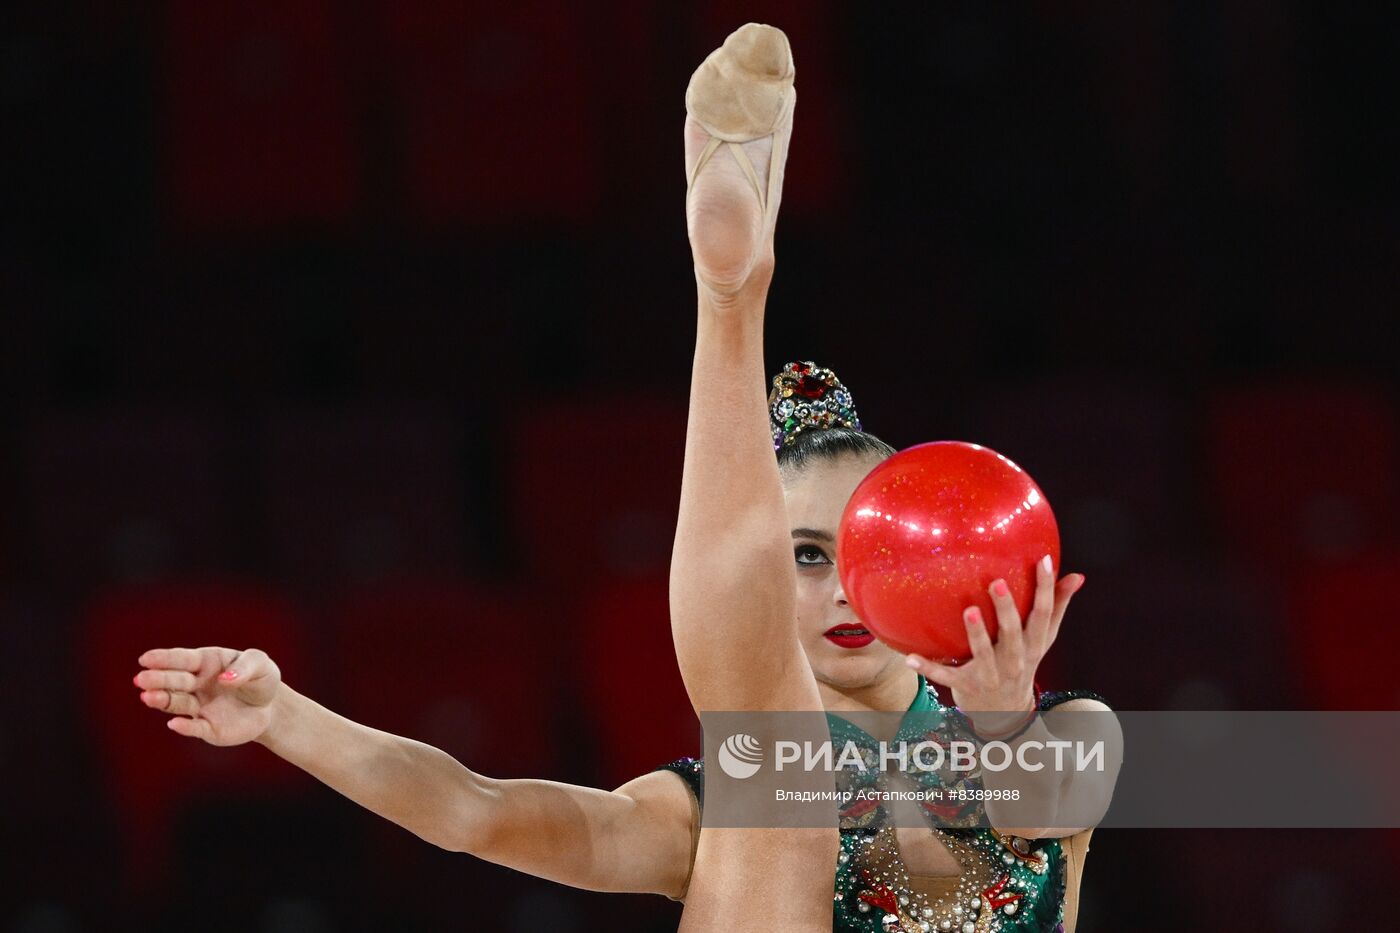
360,332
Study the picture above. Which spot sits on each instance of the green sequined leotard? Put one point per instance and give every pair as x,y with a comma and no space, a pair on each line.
1007,884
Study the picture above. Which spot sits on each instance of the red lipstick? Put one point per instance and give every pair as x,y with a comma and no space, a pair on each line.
852,636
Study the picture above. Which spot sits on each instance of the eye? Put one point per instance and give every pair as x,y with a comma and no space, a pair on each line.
810,555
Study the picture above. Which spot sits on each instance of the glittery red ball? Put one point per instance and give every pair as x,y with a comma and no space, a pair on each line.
927,532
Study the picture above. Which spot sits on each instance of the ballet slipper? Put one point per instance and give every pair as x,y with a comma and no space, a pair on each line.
741,93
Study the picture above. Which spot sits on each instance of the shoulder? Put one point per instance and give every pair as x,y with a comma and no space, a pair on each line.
1054,703
681,805
1104,726
691,771
685,767
655,790
1073,701
661,801
1082,705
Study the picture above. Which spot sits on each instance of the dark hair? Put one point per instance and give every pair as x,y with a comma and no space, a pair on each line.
829,444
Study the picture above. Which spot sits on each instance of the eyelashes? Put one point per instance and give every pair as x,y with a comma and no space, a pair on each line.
809,555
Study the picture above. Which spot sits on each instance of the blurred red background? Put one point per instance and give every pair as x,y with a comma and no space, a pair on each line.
342,329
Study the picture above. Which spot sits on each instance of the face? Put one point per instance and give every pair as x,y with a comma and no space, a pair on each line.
842,652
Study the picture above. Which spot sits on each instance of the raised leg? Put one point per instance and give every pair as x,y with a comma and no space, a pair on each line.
732,574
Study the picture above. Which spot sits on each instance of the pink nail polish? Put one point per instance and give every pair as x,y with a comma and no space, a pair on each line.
999,588
228,675
972,616
135,679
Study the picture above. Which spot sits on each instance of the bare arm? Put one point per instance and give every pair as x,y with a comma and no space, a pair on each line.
636,838
1083,796
999,681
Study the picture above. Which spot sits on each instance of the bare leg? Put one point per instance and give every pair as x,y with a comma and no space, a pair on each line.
732,574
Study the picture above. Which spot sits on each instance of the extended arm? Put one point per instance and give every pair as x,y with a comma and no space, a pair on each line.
636,838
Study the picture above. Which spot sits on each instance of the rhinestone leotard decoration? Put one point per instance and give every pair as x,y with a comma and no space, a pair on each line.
1006,885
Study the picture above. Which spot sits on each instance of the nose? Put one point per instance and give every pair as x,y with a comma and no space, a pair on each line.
839,596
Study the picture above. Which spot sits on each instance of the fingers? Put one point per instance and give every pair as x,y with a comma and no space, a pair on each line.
938,673
1009,633
194,728
248,665
1064,592
977,637
166,701
182,681
1042,607
184,669
180,659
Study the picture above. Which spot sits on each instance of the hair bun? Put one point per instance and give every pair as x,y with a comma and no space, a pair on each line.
805,396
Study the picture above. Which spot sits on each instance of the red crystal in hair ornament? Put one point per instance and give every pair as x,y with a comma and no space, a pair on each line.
807,380
808,396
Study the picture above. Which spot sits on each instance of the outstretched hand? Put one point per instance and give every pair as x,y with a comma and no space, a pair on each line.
219,695
1001,676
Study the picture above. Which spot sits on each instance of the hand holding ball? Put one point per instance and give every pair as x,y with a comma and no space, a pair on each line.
927,532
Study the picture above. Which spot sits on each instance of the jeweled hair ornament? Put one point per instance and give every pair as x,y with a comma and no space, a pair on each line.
807,396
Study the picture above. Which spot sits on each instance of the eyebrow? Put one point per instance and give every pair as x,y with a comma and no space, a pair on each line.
814,533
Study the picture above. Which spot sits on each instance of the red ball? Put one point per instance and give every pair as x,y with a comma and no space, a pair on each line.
926,533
